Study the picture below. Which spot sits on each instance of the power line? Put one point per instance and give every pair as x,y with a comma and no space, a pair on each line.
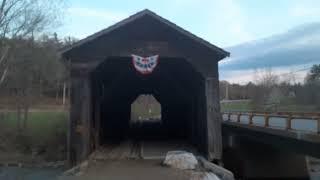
294,72
281,74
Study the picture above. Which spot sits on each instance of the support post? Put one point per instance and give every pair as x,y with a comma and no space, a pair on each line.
97,122
251,119
80,120
86,118
266,118
318,125
238,117
289,122
213,119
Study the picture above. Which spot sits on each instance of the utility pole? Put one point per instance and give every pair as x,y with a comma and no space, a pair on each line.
64,93
227,91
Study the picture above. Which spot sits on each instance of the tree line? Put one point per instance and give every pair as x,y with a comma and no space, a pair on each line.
267,92
31,68
30,64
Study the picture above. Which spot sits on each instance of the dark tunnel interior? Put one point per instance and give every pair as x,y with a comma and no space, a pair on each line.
174,83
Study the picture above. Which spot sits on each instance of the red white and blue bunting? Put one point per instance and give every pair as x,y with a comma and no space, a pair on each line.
145,65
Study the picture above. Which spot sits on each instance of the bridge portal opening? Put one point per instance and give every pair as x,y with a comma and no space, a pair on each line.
174,84
145,108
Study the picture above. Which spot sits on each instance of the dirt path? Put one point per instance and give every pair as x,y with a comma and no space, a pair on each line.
132,170
134,160
130,149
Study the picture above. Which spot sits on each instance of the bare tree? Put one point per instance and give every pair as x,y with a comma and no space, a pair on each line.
23,18
266,78
20,22
266,82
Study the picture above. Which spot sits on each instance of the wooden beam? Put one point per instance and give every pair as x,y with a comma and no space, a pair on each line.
83,69
318,123
86,117
79,136
213,120
97,120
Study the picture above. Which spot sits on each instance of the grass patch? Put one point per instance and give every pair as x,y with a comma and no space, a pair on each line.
284,107
145,107
45,131
40,125
236,106
298,108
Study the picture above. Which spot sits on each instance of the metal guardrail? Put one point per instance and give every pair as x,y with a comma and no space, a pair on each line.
300,121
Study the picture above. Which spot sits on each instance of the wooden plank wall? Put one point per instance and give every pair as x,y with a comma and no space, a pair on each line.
79,134
214,137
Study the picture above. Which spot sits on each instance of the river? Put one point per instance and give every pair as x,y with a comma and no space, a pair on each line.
16,173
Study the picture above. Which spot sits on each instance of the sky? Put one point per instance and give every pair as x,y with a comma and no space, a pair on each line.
221,22
224,23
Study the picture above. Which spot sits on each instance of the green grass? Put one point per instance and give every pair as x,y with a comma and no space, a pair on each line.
236,106
285,107
41,126
298,108
145,107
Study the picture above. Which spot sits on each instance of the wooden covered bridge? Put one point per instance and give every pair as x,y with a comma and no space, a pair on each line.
181,73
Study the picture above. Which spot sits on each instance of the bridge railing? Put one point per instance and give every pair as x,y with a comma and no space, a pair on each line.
289,121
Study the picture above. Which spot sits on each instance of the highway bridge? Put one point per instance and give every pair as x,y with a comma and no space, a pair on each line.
271,143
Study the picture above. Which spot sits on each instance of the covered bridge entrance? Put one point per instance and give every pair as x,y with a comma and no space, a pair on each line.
104,83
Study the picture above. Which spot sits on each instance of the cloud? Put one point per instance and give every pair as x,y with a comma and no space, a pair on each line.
109,16
239,77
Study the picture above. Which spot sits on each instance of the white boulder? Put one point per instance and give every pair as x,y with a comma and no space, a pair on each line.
210,176
181,160
203,176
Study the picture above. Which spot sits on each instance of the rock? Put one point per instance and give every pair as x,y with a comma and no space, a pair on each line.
72,171
203,176
84,165
210,176
77,170
59,164
221,172
181,160
79,173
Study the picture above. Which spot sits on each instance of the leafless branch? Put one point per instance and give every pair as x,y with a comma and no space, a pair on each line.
3,76
4,54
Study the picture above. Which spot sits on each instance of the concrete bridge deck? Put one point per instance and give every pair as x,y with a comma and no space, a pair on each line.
296,141
294,132
271,145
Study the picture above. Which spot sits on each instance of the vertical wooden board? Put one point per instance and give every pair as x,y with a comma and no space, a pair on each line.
71,124
97,113
86,117
214,136
80,120
74,143
193,121
201,120
198,136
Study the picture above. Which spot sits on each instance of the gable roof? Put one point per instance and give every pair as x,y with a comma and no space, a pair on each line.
154,15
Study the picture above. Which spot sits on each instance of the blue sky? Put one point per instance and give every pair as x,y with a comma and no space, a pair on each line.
221,22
